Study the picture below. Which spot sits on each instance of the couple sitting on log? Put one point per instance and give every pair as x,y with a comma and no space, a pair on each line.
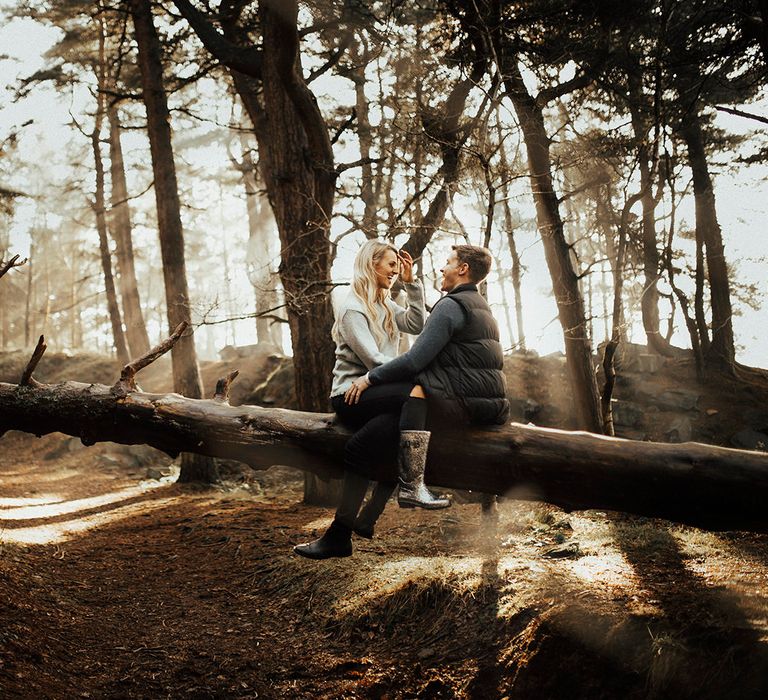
451,377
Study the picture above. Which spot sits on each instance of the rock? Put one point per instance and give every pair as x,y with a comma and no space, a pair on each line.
113,459
678,399
153,473
712,411
631,434
749,439
627,413
649,364
75,444
565,551
680,430
144,455
231,353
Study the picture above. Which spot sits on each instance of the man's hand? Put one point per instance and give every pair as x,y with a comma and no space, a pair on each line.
355,391
406,267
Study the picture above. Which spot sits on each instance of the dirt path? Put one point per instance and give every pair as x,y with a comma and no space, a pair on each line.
117,583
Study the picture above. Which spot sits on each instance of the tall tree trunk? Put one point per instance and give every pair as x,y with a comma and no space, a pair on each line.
135,327
698,298
298,171
260,251
303,210
617,318
357,76
30,289
99,208
570,303
510,229
649,300
640,107
186,376
721,352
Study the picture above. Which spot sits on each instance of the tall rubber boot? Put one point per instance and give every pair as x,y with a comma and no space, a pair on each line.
411,462
336,542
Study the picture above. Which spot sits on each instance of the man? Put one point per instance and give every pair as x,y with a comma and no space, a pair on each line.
456,363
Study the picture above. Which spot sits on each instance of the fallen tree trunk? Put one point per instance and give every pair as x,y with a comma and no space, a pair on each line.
697,484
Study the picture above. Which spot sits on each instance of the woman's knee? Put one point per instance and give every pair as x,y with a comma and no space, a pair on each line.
418,392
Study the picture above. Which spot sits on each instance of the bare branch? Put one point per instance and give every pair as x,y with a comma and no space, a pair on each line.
551,93
243,60
334,58
222,387
741,113
601,179
127,381
344,126
26,377
356,164
4,267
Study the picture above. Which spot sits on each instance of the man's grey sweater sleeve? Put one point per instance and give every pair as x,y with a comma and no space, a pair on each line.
446,319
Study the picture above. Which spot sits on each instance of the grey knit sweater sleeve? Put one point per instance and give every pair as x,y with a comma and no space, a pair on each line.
410,319
354,328
446,318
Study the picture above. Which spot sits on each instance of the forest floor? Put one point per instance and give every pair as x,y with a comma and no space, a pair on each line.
116,582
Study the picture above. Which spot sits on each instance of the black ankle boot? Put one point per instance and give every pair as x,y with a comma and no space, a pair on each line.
336,542
372,510
363,529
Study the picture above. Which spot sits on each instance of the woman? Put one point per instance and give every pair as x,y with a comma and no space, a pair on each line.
367,334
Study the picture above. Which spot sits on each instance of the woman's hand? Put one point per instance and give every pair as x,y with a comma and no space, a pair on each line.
406,266
355,391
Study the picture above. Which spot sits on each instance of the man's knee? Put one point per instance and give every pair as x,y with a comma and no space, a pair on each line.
418,392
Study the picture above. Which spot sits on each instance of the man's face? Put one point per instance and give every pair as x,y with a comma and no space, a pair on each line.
454,273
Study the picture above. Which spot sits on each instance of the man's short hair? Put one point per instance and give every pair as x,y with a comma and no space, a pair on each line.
478,259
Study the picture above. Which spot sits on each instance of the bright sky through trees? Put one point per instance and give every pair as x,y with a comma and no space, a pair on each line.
216,210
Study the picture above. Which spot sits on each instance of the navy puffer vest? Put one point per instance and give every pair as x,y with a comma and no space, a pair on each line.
468,368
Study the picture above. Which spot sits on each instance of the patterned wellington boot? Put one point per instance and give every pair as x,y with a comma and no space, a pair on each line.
411,461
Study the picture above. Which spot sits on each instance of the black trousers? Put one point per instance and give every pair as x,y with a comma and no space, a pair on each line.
375,419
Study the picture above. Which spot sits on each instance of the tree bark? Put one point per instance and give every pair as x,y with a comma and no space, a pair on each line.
135,327
570,304
701,485
721,352
186,376
445,128
105,255
361,59
649,301
297,165
260,253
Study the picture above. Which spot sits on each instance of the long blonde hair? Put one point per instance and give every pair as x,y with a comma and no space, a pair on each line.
366,289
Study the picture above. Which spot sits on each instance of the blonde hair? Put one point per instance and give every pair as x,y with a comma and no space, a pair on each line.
367,290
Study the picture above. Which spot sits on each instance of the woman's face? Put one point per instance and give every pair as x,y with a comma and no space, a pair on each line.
386,269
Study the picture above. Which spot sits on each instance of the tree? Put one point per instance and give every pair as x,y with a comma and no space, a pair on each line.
297,167
507,28
135,327
186,376
709,60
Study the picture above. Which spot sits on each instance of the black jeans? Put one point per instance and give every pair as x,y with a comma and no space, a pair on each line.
375,419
